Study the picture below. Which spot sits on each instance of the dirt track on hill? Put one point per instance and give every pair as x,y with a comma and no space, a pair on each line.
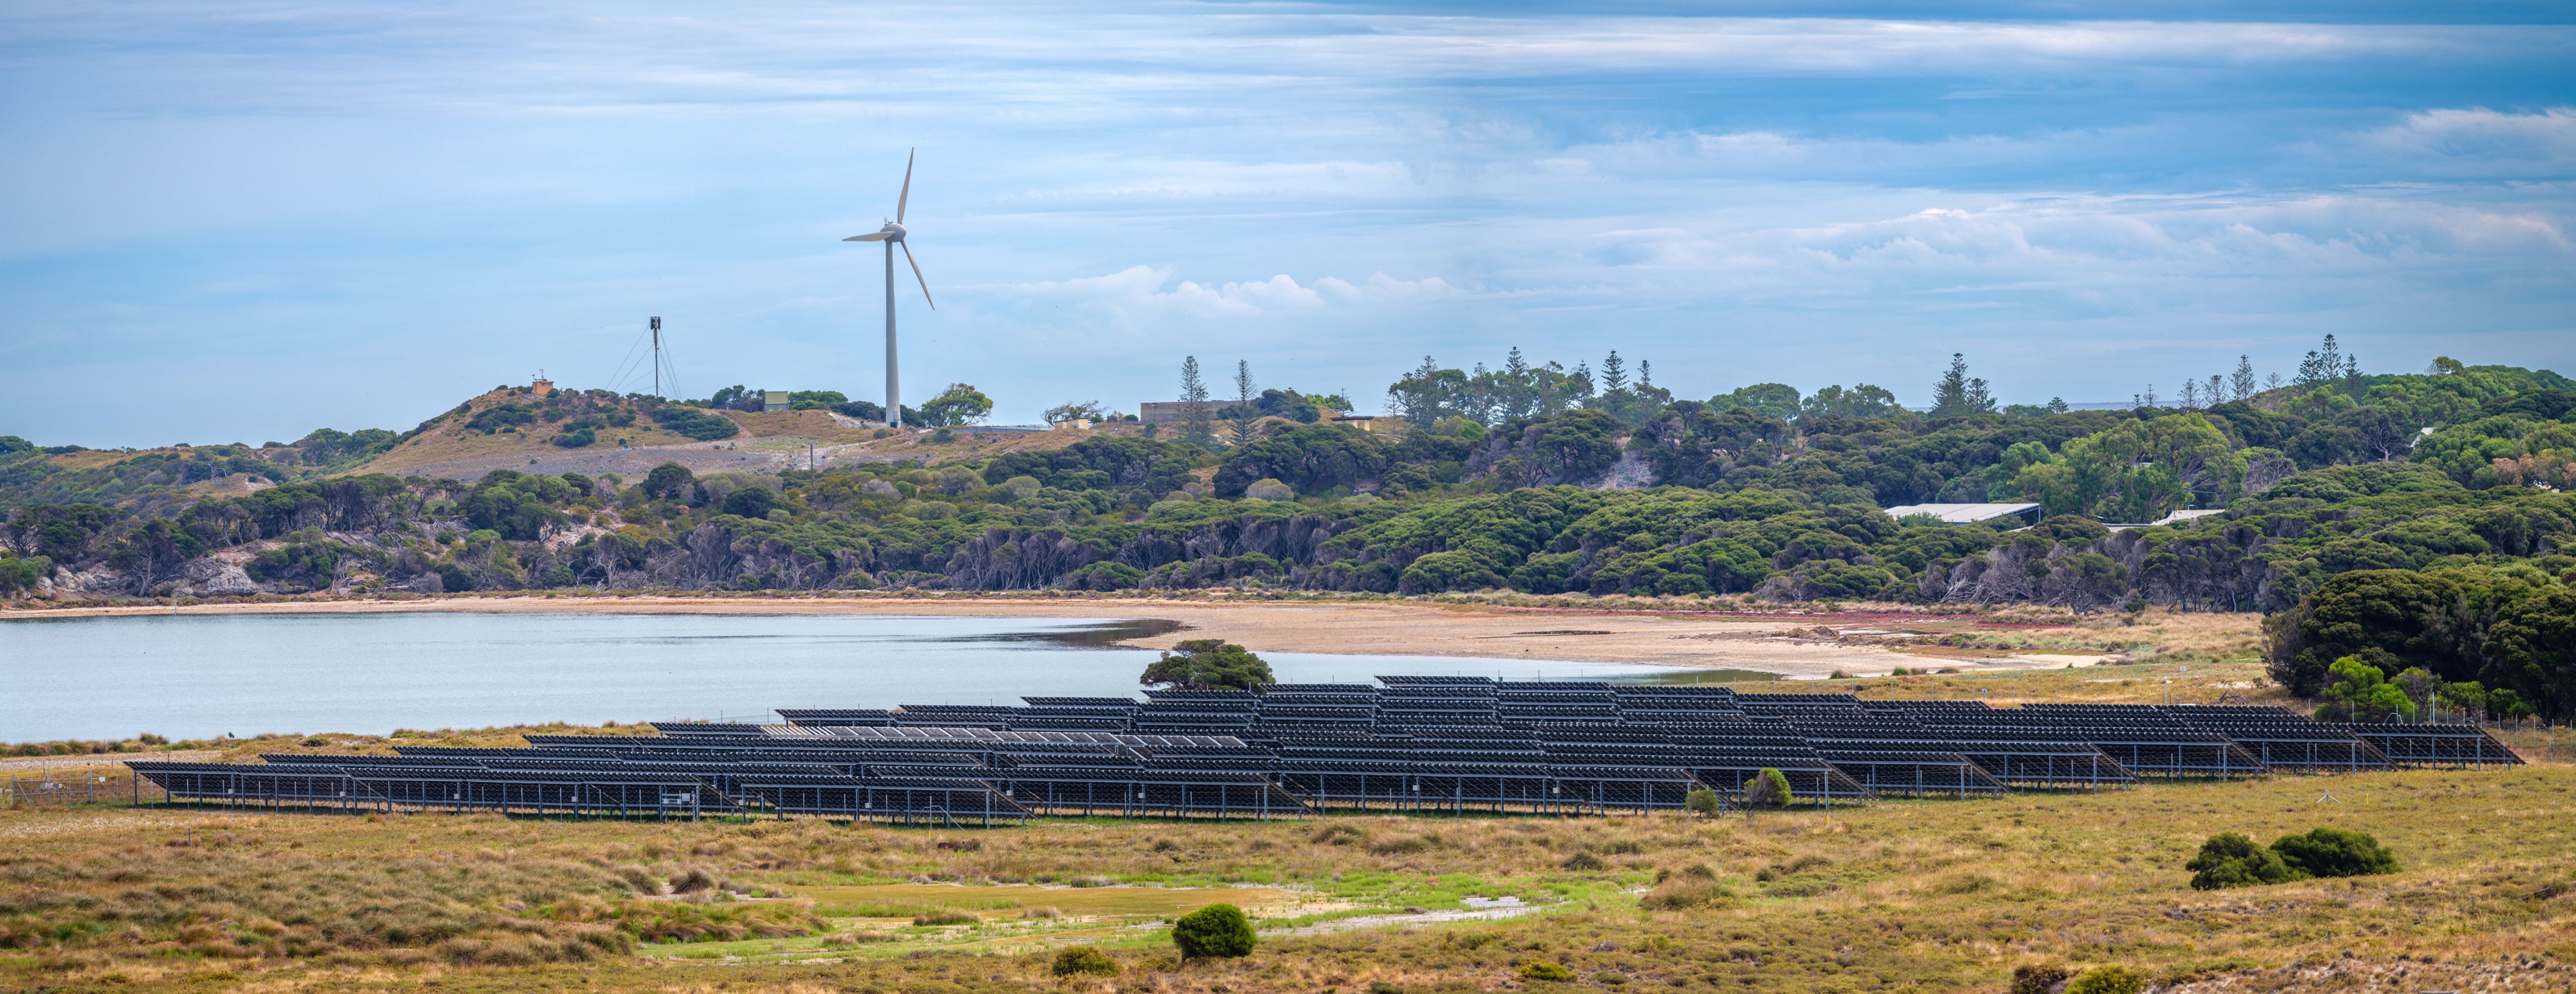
1788,647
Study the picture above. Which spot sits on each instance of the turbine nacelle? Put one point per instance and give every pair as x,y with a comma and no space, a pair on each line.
892,232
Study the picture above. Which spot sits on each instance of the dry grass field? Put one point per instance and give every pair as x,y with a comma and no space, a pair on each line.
1894,896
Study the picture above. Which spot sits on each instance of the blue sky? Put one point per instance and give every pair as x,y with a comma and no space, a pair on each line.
228,222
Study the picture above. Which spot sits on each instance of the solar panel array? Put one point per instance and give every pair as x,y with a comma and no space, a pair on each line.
1405,744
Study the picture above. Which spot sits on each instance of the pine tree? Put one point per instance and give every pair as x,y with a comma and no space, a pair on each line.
1197,421
1243,412
1520,396
2243,381
2190,394
1614,373
2320,366
1958,394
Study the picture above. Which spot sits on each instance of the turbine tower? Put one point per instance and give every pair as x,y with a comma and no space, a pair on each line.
892,234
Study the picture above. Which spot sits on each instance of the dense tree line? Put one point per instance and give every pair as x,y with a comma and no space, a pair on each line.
2432,498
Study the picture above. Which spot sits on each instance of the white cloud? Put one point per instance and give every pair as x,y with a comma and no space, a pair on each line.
2488,141
1143,291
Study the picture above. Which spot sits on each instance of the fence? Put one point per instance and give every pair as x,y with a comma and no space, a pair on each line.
77,786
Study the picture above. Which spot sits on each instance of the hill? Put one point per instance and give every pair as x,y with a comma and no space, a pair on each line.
509,428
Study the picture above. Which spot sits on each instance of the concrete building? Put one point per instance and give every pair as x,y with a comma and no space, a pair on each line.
773,400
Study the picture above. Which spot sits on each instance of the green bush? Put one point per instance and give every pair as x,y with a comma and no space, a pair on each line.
1767,789
696,424
1701,802
2232,860
1215,931
2333,852
2107,980
1544,970
1077,960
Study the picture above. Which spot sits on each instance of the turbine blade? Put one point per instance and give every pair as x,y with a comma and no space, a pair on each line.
873,236
907,188
916,274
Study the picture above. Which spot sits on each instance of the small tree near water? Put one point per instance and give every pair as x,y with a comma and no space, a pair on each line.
1208,664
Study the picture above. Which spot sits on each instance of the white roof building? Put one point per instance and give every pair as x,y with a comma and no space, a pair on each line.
1967,514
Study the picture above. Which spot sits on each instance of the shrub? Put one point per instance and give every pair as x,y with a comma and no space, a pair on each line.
1077,960
1544,970
1215,931
2333,852
1694,886
2037,978
696,424
1584,862
945,918
1768,789
2107,980
1702,802
2232,860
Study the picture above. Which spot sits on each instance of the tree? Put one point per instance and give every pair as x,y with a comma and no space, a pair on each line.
1861,400
1218,931
1208,664
1245,410
1519,396
1427,394
1198,427
2531,656
2334,852
2321,367
1767,789
1770,400
1089,410
2358,691
1704,803
750,502
1958,395
961,404
667,480
2232,860
2389,619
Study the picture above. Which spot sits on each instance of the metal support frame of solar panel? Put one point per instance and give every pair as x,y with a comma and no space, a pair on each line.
2283,739
2434,745
1727,755
836,716
385,787
2145,740
1148,791
2044,757
1893,754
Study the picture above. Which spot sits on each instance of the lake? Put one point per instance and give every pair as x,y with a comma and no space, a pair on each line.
198,676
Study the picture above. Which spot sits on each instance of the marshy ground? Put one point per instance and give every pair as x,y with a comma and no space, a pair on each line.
1897,895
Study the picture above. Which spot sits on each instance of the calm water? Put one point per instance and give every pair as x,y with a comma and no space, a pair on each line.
199,676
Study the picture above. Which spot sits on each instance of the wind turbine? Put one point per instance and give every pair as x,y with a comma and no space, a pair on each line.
892,234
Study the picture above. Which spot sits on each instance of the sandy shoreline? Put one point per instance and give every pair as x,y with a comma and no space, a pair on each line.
1402,628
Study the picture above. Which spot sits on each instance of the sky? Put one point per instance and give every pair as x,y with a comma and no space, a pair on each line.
232,221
